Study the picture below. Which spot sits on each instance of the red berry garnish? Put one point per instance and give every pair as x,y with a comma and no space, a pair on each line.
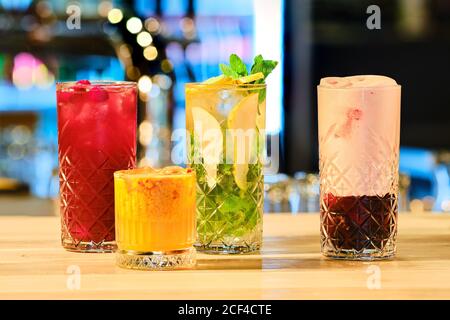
83,82
355,114
81,85
98,94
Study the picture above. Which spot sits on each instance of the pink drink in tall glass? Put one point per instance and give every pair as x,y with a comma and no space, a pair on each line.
359,137
96,136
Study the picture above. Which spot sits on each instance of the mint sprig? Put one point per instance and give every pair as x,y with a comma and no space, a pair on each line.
264,66
238,69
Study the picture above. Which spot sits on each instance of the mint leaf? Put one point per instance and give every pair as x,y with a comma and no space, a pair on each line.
238,65
228,71
257,64
231,204
268,66
264,66
261,97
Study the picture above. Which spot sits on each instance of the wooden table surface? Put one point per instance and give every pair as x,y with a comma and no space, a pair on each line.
33,265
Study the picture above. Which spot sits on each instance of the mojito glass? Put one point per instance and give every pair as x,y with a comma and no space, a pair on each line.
226,141
96,137
359,133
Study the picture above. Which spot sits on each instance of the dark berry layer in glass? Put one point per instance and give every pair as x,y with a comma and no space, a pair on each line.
358,222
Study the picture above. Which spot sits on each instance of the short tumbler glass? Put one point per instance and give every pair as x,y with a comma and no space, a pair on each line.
155,218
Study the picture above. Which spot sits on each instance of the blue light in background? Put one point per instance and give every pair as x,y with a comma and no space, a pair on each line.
443,187
145,7
429,178
416,162
26,100
15,4
174,7
45,161
223,8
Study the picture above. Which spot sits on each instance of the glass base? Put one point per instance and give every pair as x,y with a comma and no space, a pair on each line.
157,260
89,247
363,255
224,249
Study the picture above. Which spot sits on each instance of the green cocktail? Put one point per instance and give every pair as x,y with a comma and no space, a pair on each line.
225,118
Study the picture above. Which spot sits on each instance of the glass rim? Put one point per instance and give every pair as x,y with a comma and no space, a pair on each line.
144,172
97,83
230,86
390,86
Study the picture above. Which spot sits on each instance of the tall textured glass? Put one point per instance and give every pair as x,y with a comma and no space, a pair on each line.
226,124
359,133
96,137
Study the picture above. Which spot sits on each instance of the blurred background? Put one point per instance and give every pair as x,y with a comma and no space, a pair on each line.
162,44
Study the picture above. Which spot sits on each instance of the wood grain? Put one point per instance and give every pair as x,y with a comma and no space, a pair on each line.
34,266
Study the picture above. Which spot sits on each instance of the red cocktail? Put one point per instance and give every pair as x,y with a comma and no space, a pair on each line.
96,136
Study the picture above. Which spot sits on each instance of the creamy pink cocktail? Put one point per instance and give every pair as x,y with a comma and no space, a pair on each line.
359,131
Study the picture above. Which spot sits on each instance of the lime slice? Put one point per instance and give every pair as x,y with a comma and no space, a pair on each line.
251,78
242,124
207,130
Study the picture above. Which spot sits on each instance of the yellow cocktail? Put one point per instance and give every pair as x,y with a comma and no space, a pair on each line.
155,217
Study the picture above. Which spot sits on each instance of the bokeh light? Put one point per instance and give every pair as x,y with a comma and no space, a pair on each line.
125,51
144,39
104,7
115,16
166,66
29,71
145,84
134,25
163,81
152,25
150,53
133,72
145,133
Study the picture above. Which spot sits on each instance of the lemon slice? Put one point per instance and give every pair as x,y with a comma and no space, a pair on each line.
251,78
261,124
242,123
209,133
222,79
